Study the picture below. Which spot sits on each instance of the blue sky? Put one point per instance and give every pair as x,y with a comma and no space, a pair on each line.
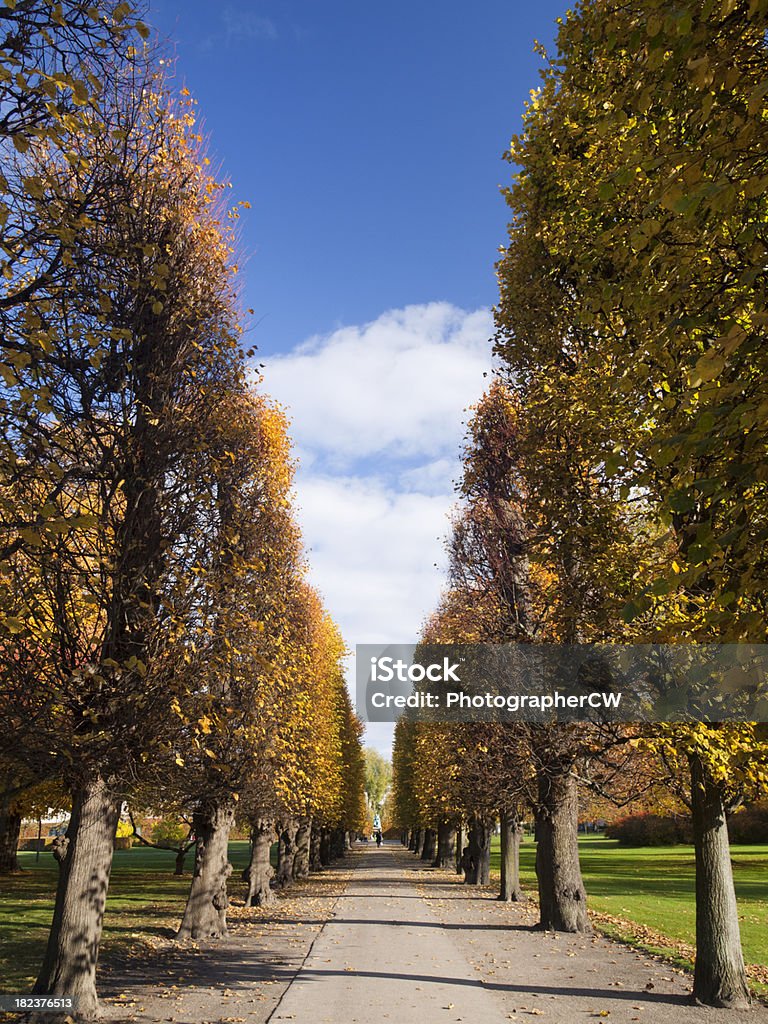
368,139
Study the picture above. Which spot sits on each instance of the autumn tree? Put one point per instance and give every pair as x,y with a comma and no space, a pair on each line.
632,315
491,578
140,524
223,651
34,801
269,730
114,370
353,816
514,584
57,65
404,798
378,777
173,831
333,762
477,772
305,783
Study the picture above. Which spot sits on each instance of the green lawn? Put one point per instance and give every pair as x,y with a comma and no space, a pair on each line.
145,899
654,887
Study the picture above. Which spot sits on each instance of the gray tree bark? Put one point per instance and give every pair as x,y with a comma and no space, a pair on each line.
205,915
301,858
180,855
446,853
259,871
10,830
325,847
428,847
419,841
562,897
510,890
479,867
338,843
719,976
85,859
315,862
286,854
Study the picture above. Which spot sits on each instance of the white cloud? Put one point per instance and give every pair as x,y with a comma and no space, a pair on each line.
237,25
432,477
394,387
373,552
378,415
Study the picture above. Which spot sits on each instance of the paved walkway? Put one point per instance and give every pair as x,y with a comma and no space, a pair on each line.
383,955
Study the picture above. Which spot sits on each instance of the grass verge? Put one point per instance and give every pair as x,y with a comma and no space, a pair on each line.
145,899
646,896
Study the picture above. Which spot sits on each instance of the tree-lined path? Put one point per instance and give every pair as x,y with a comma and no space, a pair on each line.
386,937
384,955
170,673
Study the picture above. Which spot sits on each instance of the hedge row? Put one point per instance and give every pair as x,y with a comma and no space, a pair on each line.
745,826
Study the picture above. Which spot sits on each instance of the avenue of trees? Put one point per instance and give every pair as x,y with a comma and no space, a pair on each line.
378,779
161,649
614,474
157,631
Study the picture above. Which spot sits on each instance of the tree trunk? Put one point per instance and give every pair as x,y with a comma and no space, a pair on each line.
325,847
205,915
10,830
315,864
301,858
286,854
428,849
479,864
719,977
445,851
419,841
180,855
85,860
459,849
338,843
259,871
510,858
413,839
562,898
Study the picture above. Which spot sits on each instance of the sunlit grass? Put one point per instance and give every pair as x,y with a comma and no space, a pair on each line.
145,899
655,887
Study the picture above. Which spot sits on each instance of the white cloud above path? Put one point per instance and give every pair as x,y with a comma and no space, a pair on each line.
393,388
377,417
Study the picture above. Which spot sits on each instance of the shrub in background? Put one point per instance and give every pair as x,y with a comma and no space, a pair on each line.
749,825
650,830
